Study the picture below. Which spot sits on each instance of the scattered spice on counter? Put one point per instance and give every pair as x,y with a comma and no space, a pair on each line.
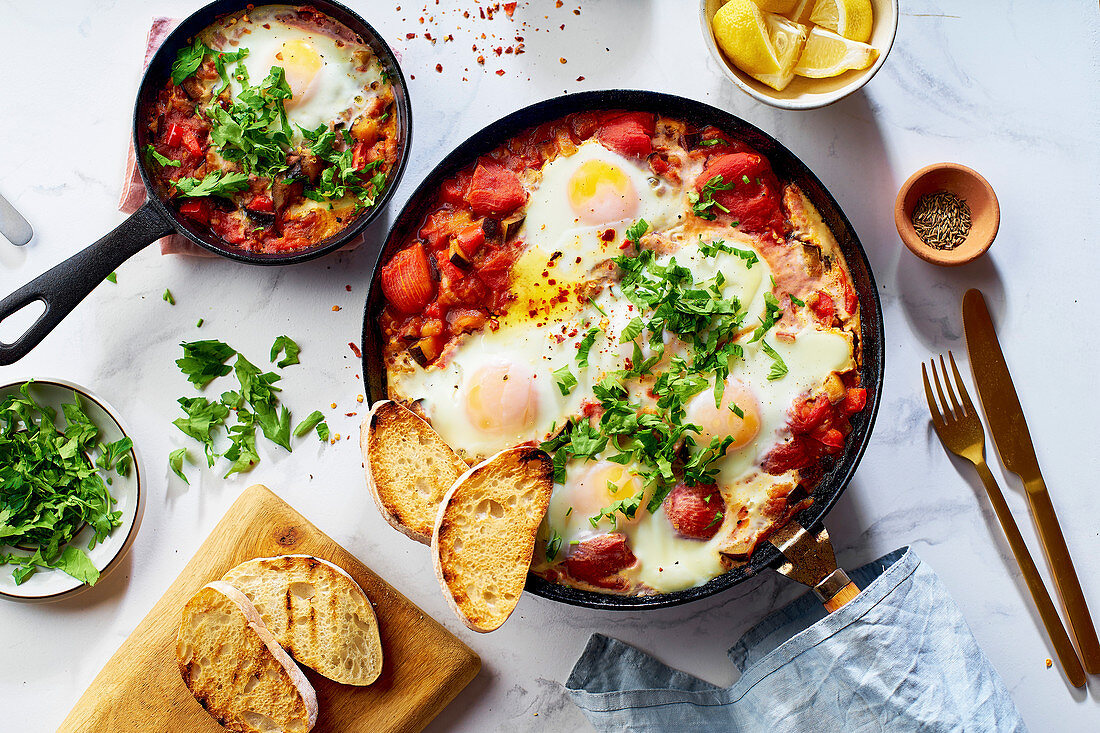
355,350
1050,663
359,398
941,219
333,405
348,288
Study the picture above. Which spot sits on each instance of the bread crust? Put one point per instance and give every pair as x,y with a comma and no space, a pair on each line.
339,637
387,424
459,555
253,672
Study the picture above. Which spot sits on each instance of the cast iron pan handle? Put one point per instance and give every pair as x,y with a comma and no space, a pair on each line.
62,287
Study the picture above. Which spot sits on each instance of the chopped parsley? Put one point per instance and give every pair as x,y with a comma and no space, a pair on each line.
553,545
796,301
703,203
113,278
342,176
204,360
779,368
710,142
167,297
585,346
636,230
565,380
215,183
312,420
49,487
175,462
285,344
253,129
628,507
152,153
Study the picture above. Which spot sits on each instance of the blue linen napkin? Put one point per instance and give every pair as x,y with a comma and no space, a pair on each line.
899,657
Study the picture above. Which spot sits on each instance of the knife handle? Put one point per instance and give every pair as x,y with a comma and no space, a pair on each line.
1063,648
1065,577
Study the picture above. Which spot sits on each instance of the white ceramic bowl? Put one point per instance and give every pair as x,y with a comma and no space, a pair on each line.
803,93
51,585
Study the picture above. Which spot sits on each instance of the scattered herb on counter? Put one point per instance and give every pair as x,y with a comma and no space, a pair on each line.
175,462
49,487
254,405
113,278
168,297
198,324
287,345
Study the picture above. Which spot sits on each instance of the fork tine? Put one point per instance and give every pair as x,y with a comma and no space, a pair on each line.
948,416
937,420
947,383
961,385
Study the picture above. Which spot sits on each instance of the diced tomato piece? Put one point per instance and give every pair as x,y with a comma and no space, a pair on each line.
831,438
808,415
453,190
407,280
191,142
262,204
494,190
823,307
695,511
798,452
359,155
599,558
854,401
471,238
196,209
173,136
753,201
851,301
630,134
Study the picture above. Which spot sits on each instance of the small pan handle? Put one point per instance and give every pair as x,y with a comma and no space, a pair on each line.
62,287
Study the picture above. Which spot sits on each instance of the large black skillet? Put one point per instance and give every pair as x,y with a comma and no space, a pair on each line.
788,168
65,285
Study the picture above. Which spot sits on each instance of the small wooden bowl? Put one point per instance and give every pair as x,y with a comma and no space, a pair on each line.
985,212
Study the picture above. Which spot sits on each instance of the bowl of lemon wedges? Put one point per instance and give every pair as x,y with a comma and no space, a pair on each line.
799,54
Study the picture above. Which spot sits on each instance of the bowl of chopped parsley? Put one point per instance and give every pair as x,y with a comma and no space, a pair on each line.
71,497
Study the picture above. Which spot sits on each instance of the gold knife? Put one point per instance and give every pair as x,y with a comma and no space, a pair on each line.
1013,441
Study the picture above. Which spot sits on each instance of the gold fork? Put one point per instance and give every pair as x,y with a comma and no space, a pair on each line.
960,430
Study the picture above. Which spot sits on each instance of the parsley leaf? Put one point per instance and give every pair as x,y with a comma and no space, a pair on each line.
167,297
628,507
322,431
285,343
188,60
565,380
796,301
703,203
258,390
312,420
204,360
113,278
215,183
175,462
201,416
772,313
152,153
779,368
710,142
585,346
553,545
632,330
636,230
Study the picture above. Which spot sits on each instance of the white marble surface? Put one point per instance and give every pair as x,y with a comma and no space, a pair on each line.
1010,89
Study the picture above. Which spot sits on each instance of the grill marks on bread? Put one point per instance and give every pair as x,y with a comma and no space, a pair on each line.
409,468
317,612
484,534
236,669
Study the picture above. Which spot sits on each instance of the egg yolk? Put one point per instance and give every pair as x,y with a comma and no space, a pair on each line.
501,397
722,421
600,193
300,63
602,484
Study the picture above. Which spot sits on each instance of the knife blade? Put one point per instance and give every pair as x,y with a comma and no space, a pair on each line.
1005,417
12,224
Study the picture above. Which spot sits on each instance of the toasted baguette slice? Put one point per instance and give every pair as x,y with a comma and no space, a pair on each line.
236,670
317,612
409,467
484,535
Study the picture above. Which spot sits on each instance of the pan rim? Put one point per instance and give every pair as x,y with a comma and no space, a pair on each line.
872,333
203,17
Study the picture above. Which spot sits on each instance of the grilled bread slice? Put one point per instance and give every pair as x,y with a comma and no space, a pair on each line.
484,534
409,467
317,612
236,670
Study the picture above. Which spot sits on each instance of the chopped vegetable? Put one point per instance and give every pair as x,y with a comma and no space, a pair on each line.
49,487
285,344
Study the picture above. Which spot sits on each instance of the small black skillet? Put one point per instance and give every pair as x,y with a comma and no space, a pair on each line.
65,285
788,168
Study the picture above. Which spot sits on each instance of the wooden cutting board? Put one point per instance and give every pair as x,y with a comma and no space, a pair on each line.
423,665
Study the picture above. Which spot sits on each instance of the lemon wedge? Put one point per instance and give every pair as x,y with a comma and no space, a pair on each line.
783,7
849,18
828,54
764,45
